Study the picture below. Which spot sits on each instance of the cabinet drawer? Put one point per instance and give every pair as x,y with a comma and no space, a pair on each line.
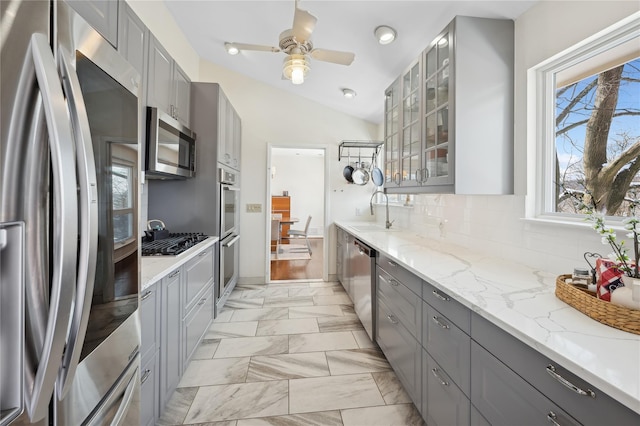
199,274
443,402
450,308
149,401
149,322
448,345
504,398
413,282
401,349
404,303
197,322
532,366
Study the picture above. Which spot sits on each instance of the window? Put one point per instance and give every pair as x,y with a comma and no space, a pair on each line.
123,193
588,126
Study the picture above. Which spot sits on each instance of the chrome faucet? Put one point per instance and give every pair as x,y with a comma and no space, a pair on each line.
387,224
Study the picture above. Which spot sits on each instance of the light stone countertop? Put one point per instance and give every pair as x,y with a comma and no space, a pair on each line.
155,268
521,301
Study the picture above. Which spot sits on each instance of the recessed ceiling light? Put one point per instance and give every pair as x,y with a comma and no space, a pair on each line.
349,93
385,34
231,48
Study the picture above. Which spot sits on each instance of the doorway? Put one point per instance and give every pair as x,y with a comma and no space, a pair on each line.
296,191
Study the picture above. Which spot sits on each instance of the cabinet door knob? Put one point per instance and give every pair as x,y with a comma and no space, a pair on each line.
145,376
394,283
392,319
564,382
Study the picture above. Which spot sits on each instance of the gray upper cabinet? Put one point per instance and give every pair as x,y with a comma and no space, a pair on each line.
229,133
392,134
168,87
102,15
132,37
463,141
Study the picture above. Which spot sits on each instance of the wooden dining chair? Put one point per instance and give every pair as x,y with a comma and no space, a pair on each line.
294,233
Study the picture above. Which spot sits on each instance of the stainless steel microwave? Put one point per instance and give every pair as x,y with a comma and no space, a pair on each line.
171,147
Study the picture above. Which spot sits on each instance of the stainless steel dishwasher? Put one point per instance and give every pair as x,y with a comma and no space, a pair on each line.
363,272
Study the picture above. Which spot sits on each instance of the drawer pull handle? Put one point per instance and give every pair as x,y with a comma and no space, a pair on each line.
202,301
437,321
443,382
552,372
204,253
176,272
553,418
394,283
145,376
439,296
146,295
392,319
392,263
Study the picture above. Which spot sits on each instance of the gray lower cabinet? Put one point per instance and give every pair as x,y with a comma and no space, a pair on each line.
443,403
175,313
149,392
585,403
199,300
400,347
149,354
170,353
504,398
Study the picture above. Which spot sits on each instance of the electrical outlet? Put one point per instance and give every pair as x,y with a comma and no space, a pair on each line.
254,208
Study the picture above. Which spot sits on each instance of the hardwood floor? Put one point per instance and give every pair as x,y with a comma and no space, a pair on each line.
300,269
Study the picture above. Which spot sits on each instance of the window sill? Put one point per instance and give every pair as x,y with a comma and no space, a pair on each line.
567,222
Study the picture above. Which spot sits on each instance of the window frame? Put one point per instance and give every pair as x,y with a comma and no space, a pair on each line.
541,104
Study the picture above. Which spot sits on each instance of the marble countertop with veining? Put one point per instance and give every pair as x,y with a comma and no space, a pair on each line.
520,300
155,268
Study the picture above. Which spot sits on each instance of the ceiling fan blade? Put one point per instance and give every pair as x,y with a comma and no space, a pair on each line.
342,58
303,25
245,46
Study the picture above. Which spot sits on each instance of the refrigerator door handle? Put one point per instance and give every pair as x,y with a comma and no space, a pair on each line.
65,233
88,221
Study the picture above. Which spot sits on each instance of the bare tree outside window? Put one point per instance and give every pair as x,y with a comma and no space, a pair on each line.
598,141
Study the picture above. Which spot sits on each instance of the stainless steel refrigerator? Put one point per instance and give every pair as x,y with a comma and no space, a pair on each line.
69,250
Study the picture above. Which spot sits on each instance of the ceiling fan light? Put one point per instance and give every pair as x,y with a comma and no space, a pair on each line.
385,34
296,67
232,49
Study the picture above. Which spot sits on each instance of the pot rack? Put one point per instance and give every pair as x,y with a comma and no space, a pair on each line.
375,145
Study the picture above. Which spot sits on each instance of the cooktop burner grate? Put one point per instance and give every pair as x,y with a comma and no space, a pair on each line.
174,244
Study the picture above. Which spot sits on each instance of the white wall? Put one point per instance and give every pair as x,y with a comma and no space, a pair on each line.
303,177
493,224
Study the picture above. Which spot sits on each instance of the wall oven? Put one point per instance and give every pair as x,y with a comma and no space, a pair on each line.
229,181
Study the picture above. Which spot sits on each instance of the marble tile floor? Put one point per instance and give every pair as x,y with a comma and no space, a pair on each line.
289,354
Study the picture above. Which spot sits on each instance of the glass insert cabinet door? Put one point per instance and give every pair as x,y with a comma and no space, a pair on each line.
391,133
411,132
438,69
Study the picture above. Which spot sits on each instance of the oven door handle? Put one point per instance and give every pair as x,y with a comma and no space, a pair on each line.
231,242
227,187
88,221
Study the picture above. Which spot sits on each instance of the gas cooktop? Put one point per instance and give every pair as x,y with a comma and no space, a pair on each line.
174,244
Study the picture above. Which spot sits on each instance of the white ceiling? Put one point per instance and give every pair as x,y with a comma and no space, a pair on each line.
342,25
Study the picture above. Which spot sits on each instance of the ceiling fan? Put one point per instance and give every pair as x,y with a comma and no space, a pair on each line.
296,44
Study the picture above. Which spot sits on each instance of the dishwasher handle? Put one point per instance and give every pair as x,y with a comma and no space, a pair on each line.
364,249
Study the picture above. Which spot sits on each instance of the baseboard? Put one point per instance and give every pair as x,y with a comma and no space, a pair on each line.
251,280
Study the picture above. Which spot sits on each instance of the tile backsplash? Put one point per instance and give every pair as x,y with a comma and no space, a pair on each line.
494,224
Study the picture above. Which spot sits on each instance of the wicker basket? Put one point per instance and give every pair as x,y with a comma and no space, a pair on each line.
605,312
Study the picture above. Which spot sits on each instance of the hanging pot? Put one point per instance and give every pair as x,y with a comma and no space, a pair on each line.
348,170
360,175
376,174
